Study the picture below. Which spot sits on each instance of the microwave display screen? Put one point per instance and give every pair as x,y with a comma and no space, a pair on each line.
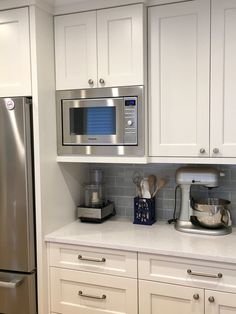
93,121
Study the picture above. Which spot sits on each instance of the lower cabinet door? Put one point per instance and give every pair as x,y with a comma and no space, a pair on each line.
159,298
220,302
74,292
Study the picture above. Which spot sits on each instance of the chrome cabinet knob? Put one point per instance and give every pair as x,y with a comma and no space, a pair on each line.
130,122
211,299
196,296
101,81
202,150
90,81
216,150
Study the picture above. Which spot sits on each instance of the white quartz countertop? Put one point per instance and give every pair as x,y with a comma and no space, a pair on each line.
159,238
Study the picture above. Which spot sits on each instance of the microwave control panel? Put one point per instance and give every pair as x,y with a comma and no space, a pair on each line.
130,121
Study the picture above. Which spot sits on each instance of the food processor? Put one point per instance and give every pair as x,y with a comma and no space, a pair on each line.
96,207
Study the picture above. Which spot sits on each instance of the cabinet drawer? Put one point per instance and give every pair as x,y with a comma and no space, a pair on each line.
111,262
196,273
73,292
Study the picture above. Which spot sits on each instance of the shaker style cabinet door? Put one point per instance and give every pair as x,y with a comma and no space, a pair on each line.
179,57
76,51
159,298
223,79
78,292
220,302
120,46
15,71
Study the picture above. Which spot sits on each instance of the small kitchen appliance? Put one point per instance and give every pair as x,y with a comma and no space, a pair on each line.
96,208
210,216
101,121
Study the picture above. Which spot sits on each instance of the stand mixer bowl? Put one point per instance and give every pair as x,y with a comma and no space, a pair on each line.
212,212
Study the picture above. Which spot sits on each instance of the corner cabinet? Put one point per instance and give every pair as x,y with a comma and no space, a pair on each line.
192,92
100,48
15,78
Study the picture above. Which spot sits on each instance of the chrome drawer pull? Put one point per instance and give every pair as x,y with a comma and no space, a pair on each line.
81,294
90,259
191,273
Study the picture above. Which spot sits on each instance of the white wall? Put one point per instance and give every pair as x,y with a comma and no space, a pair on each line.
57,186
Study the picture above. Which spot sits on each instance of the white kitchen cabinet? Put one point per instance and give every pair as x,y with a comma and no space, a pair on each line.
75,46
219,302
179,57
104,261
174,285
155,297
100,48
15,78
120,46
185,121
75,292
92,280
223,79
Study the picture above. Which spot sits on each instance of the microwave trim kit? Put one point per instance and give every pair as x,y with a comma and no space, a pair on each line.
101,121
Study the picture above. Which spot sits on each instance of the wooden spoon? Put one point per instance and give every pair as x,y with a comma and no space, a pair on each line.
152,181
160,184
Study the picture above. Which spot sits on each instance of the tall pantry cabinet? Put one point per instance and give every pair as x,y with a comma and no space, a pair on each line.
192,51
15,78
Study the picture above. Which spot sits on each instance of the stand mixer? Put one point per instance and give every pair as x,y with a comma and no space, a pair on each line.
188,221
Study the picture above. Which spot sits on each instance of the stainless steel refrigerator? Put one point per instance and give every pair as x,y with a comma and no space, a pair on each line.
17,231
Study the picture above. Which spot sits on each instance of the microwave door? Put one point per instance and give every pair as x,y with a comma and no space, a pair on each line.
93,121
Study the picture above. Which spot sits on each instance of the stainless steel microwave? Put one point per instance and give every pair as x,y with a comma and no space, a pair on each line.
101,121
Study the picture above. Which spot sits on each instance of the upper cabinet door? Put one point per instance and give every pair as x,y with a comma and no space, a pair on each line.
223,79
179,59
76,51
120,46
15,71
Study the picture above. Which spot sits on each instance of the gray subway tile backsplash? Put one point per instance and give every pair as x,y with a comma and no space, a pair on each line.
119,187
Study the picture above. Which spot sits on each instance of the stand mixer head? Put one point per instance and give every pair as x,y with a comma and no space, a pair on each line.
185,178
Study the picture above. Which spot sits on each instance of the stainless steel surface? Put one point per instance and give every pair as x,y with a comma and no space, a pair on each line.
16,189
17,293
211,299
101,81
188,227
104,150
212,212
81,294
216,150
91,259
90,81
202,150
192,273
196,296
12,284
95,213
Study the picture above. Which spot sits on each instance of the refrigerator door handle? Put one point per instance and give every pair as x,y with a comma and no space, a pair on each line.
14,283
